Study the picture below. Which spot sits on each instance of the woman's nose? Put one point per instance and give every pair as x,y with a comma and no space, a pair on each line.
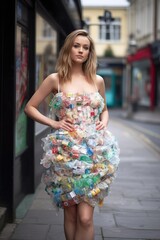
80,49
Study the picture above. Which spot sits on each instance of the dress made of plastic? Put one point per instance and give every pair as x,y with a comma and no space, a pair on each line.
79,165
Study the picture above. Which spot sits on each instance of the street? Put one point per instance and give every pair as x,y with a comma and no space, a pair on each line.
131,211
149,130
134,200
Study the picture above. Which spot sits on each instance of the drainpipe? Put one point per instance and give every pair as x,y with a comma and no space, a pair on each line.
152,70
155,21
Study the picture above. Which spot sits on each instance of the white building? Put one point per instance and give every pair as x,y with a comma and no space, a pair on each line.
144,52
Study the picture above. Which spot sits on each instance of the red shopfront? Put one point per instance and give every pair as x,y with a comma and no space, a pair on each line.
143,77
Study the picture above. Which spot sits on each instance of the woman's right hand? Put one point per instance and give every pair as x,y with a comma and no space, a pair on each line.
65,124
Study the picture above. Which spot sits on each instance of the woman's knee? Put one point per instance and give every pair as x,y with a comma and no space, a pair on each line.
85,220
85,214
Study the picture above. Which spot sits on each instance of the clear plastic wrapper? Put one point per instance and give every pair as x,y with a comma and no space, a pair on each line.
79,165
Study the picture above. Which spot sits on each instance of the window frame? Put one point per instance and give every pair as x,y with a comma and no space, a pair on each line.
109,28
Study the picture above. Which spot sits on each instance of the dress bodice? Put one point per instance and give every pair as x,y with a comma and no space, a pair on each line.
80,108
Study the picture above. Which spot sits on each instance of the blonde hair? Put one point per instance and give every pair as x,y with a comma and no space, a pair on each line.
64,62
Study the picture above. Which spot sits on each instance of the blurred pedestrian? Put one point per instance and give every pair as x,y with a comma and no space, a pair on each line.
135,97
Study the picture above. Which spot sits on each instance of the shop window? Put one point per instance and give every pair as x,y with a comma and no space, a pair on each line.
46,52
141,83
22,45
47,30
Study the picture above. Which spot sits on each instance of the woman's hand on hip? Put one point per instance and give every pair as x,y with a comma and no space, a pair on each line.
65,124
100,125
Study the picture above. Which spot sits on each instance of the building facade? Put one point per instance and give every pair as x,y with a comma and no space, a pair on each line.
31,38
107,25
144,54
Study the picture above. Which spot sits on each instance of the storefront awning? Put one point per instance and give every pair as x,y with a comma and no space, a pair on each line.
144,53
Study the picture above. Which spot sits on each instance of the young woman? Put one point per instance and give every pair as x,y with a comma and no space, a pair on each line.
80,155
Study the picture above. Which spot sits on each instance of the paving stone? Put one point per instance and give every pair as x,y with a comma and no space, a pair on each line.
97,230
141,192
126,184
43,217
30,232
150,205
122,238
126,203
24,206
156,195
133,213
98,237
123,233
138,222
153,213
41,193
45,204
101,219
7,231
55,233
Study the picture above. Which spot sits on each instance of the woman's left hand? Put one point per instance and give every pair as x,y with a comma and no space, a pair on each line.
99,125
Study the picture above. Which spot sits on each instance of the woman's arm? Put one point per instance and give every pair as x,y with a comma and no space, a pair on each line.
31,109
104,117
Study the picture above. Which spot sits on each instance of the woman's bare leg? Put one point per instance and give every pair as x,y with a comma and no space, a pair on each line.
85,227
70,222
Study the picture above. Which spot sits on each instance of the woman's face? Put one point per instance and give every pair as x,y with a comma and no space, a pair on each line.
80,49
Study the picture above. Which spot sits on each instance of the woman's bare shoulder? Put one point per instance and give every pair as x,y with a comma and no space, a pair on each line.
99,80
53,80
53,77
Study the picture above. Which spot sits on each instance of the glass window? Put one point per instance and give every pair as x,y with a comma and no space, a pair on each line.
110,30
46,52
86,24
141,82
47,30
109,92
22,76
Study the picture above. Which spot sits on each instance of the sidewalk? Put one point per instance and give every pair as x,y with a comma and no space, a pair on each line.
143,116
131,211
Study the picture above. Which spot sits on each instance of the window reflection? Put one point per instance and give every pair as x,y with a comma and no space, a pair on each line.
46,51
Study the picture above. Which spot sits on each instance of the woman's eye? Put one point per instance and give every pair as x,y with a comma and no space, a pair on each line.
77,46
